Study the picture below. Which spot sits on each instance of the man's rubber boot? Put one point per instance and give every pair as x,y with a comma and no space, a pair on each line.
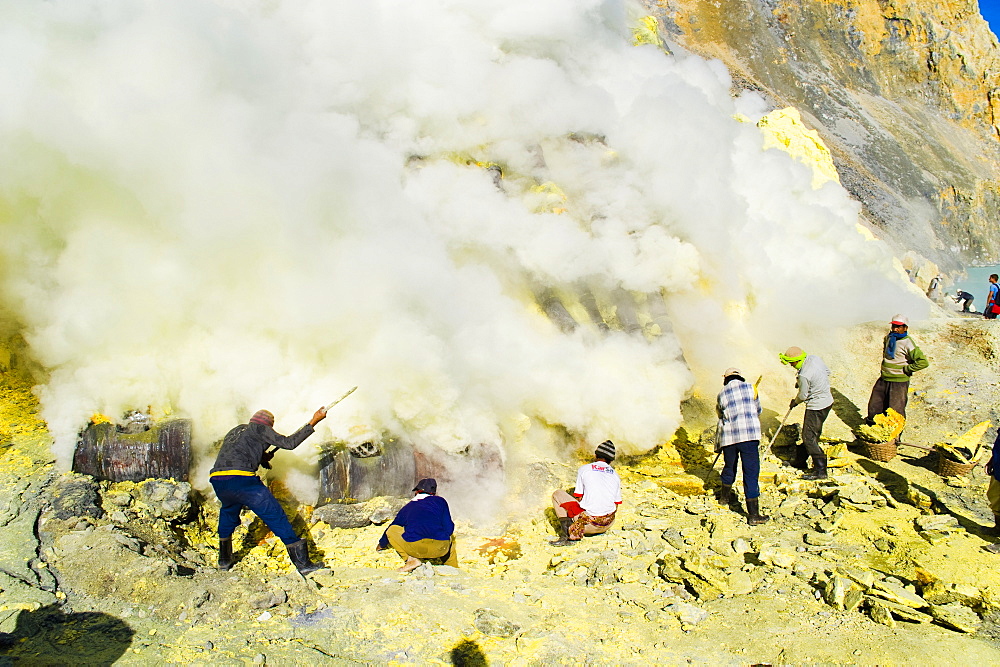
995,528
564,523
819,468
299,553
725,494
801,458
225,554
754,517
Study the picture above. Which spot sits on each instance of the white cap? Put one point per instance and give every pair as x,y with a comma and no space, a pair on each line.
731,371
900,319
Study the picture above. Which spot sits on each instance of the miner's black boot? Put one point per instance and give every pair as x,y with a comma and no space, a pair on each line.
819,468
225,553
754,517
725,494
564,523
299,553
801,458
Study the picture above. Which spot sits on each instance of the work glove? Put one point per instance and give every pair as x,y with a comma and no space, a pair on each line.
265,460
793,403
907,371
989,467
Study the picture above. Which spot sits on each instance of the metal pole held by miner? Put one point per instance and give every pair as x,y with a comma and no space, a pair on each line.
346,394
326,409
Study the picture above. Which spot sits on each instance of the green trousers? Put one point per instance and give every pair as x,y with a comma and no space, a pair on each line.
422,549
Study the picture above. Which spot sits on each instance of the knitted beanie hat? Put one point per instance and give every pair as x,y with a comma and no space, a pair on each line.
605,450
262,417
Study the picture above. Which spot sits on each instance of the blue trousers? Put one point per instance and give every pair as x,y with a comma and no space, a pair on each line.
237,492
750,454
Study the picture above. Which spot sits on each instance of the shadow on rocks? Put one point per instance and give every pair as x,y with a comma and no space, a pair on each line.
697,456
552,518
467,653
258,531
926,460
898,487
846,411
770,420
48,636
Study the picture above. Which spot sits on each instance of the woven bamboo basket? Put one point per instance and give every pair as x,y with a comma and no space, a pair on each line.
949,468
879,451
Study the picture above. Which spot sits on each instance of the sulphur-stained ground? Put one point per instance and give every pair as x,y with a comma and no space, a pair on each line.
881,564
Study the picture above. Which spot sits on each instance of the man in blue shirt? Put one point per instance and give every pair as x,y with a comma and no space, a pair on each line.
422,529
739,439
991,298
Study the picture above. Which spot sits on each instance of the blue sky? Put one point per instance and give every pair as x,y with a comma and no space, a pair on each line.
990,9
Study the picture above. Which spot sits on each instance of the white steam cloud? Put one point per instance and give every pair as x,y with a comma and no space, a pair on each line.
212,207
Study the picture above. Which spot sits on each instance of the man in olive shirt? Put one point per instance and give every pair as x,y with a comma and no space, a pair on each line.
234,478
901,358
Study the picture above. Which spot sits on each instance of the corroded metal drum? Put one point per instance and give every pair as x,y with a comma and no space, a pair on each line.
163,451
345,477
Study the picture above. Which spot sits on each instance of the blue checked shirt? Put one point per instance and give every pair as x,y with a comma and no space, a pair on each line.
739,409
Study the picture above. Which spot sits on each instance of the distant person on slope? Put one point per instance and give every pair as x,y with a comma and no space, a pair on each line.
423,529
965,299
901,358
813,382
237,486
598,493
934,288
989,311
739,439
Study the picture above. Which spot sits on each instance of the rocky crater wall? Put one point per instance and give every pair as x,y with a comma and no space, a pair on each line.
905,94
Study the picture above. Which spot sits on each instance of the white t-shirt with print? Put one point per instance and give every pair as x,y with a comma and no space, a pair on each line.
601,488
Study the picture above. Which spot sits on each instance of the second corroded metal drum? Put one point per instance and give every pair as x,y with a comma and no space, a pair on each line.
345,477
350,475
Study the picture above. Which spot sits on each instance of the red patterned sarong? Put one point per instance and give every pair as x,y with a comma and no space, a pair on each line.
582,520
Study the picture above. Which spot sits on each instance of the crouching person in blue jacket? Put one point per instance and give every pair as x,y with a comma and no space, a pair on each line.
422,529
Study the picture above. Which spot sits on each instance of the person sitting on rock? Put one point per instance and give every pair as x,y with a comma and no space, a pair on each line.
739,439
423,529
234,478
598,494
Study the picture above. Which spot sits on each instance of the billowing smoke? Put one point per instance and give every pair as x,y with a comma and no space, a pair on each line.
211,207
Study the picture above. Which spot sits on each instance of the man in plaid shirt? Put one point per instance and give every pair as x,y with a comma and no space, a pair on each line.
739,438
